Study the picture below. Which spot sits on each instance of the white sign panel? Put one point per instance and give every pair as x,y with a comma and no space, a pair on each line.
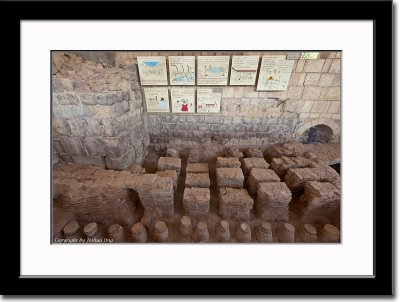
244,70
182,70
182,100
212,70
208,101
157,99
152,70
275,73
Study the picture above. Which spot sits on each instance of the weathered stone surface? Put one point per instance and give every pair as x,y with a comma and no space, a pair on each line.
329,233
321,202
307,233
172,152
253,162
228,162
272,203
122,162
196,201
286,233
89,160
230,177
169,163
296,177
235,204
258,176
222,232
193,154
264,232
243,232
197,168
201,233
169,173
253,152
199,180
281,165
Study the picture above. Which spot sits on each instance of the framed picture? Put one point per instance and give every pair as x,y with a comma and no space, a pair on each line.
361,264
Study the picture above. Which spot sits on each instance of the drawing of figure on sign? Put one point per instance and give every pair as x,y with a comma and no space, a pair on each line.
182,100
181,70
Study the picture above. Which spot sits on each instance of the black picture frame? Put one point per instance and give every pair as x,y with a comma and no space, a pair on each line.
382,282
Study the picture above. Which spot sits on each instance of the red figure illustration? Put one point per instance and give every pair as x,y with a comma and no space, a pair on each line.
184,107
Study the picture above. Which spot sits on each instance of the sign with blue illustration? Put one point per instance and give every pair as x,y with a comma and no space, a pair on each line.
212,70
157,99
152,70
182,70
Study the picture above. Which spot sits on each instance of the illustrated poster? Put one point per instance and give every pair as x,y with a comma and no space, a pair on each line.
182,70
152,70
157,99
212,70
208,101
182,100
275,73
244,70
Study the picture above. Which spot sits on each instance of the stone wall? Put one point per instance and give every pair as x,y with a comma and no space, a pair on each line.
97,111
99,114
254,118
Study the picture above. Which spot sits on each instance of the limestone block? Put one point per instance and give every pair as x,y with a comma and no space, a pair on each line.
253,152
193,155
230,177
258,176
196,201
197,180
296,177
228,162
272,203
253,162
197,168
320,202
169,173
281,165
169,163
235,204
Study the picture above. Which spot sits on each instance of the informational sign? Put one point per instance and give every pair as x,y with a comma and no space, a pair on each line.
212,70
244,70
157,99
275,73
152,70
309,56
182,100
208,101
182,70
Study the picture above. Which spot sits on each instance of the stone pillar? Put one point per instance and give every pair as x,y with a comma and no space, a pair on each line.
243,232
264,232
139,233
223,233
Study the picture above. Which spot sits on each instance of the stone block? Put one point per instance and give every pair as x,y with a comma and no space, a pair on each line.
193,155
258,176
89,99
314,65
169,163
169,173
61,85
253,162
66,98
228,162
326,79
312,79
253,152
198,180
282,164
295,178
335,66
230,177
320,202
329,233
122,162
196,201
89,160
272,203
197,168
311,92
235,204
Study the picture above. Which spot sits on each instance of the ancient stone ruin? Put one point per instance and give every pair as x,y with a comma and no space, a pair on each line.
252,173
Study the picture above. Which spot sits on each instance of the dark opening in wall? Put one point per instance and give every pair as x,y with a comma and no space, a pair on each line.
317,134
336,167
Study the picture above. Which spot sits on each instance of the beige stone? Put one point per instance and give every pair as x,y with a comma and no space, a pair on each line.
228,162
197,180
295,92
253,162
235,204
314,65
230,177
326,79
169,163
196,201
197,168
312,79
335,66
257,176
311,92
